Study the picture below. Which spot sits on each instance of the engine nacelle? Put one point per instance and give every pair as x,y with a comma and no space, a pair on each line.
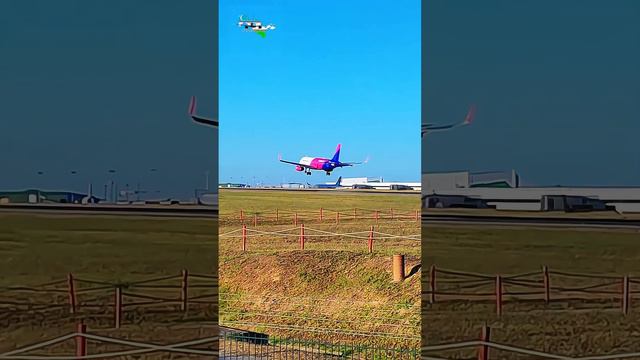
299,168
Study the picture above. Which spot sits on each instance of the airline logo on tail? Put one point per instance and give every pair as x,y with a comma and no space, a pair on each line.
307,163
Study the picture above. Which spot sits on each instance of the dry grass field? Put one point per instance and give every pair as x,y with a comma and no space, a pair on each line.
333,289
579,324
39,249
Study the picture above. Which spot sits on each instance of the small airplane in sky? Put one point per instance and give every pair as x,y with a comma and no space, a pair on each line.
427,128
327,186
200,119
307,163
255,26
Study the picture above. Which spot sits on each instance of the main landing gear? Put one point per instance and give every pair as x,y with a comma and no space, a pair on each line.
328,173
308,172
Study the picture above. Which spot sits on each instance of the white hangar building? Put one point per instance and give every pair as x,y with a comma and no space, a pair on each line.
502,191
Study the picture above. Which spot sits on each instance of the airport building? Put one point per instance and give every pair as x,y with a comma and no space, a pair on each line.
232,185
37,196
293,186
502,191
378,183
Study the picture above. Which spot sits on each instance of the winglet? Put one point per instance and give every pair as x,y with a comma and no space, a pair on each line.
192,106
199,119
279,156
470,115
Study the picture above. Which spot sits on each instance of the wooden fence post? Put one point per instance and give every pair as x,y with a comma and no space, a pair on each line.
295,219
337,217
371,240
417,216
81,341
547,285
301,236
244,237
376,216
499,295
183,290
625,295
320,214
398,268
391,213
241,215
483,350
118,307
432,284
255,220
276,214
354,214
72,294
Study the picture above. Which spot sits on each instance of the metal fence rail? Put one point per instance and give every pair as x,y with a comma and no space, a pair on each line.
250,345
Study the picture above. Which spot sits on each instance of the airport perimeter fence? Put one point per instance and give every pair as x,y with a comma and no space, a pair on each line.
303,235
324,318
257,346
486,349
79,297
243,345
322,215
545,286
229,344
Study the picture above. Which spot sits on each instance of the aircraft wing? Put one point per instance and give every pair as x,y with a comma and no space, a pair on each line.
355,163
293,163
197,118
427,128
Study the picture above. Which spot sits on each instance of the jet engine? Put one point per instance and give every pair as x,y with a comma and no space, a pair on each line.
299,168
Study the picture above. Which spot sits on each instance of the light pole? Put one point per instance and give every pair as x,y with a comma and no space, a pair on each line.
40,173
112,171
154,170
73,172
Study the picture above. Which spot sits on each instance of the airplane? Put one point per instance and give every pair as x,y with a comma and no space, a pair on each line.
327,186
256,26
427,128
307,163
200,119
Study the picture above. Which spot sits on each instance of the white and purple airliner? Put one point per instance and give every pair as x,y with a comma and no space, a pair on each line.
308,163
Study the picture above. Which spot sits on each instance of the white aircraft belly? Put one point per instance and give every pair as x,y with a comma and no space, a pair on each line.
306,160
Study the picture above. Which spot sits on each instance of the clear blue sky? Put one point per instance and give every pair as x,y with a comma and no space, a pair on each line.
556,83
105,84
331,72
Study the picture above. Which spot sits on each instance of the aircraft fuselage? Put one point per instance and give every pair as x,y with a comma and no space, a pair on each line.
315,164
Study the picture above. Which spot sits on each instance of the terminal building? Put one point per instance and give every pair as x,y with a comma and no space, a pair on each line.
501,190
